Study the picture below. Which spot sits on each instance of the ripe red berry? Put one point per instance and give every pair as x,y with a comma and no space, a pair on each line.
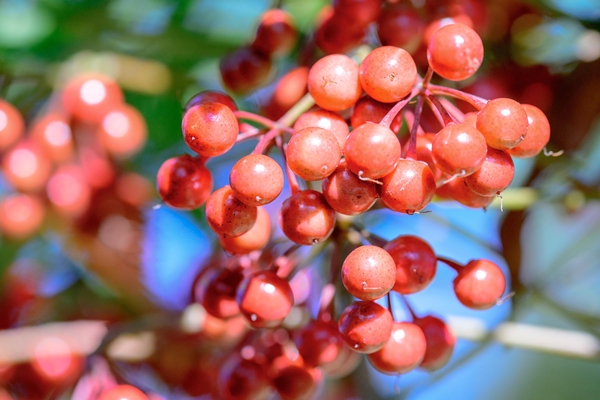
479,284
368,109
306,218
53,134
495,175
319,343
455,52
245,69
366,326
241,379
440,342
123,392
20,215
409,187
256,238
210,129
226,215
388,74
346,193
333,82
358,12
459,149
538,134
276,34
372,151
368,272
326,120
503,123
288,91
401,26
89,97
11,125
212,96
458,190
184,182
256,179
296,382
333,33
313,153
403,352
216,290
123,130
26,166
415,263
265,299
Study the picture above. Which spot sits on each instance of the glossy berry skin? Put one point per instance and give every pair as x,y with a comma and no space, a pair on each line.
401,27
184,182
368,273
276,34
368,109
403,352
346,193
459,149
306,218
213,96
415,263
256,179
210,129
256,238
333,82
333,33
455,52
440,342
313,153
538,134
226,215
319,343
123,392
123,131
11,125
388,74
479,284
241,379
265,299
245,69
88,97
358,12
372,151
326,120
495,175
365,326
288,91
409,187
458,190
503,123
297,382
216,290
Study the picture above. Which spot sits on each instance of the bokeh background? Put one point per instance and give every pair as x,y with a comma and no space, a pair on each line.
135,267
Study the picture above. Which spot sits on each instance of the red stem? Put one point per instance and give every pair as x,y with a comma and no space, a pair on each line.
452,264
265,140
409,308
452,109
446,117
294,188
410,120
475,101
389,117
389,305
259,119
412,144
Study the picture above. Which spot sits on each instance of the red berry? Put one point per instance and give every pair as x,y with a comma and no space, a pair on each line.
11,125
288,91
368,109
276,33
334,34
256,179
184,182
495,175
403,352
226,215
265,299
455,52
440,342
212,96
306,218
53,133
538,133
368,272
241,379
346,193
480,284
256,238
366,326
415,263
20,215
26,166
358,12
401,26
503,123
372,151
210,129
319,343
216,290
313,153
388,74
123,131
89,97
409,187
326,120
297,382
245,69
333,82
123,392
459,149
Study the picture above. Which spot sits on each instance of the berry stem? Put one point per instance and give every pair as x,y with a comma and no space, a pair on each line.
248,134
389,117
452,109
475,101
412,144
290,174
409,308
303,105
265,140
259,119
452,264
447,119
370,237
427,79
389,304
410,121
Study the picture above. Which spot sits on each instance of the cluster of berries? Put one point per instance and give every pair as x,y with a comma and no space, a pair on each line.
359,164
